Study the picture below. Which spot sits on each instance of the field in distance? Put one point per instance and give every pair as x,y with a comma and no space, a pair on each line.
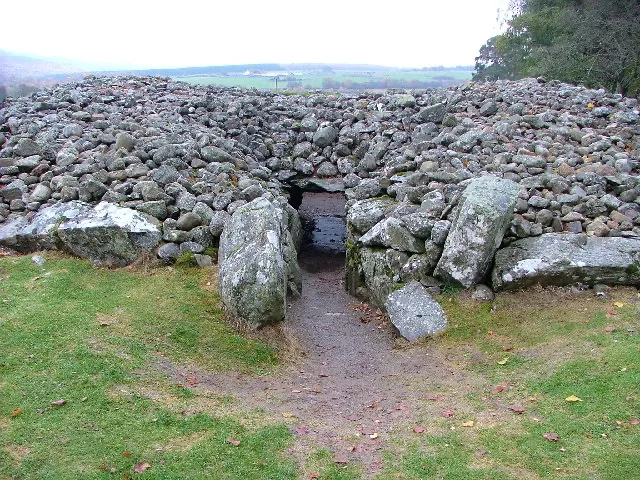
335,80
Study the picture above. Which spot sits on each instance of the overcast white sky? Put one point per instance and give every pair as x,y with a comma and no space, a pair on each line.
145,34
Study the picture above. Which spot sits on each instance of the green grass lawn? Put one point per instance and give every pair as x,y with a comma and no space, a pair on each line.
85,337
81,396
315,81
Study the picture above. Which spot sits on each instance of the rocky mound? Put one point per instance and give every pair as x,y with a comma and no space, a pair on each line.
187,157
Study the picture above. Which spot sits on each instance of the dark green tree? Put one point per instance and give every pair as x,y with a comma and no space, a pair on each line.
594,42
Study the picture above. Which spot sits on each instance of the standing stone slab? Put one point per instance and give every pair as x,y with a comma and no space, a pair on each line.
257,258
486,208
109,235
414,313
564,259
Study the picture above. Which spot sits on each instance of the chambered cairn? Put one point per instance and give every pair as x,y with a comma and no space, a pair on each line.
501,185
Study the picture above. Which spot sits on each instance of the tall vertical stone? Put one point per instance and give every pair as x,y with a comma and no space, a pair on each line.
486,208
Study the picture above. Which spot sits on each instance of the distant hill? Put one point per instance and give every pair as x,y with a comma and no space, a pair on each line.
23,69
23,74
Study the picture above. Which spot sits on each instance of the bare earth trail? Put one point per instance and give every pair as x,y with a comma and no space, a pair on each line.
351,388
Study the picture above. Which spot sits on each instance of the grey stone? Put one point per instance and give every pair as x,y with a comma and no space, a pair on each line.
125,140
168,253
109,235
403,100
433,113
215,154
27,147
485,211
41,193
482,293
325,136
39,260
188,220
191,247
218,221
392,233
440,231
41,232
414,313
565,259
377,274
327,169
364,214
253,274
203,261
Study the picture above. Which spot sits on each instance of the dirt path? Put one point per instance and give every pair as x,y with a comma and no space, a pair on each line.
352,388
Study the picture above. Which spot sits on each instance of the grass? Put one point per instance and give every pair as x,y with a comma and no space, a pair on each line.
556,345
93,338
89,337
315,80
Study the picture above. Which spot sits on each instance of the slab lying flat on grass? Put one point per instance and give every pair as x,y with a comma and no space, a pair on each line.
564,259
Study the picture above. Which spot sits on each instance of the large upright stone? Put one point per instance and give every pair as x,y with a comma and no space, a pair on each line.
414,313
109,235
256,258
564,259
486,208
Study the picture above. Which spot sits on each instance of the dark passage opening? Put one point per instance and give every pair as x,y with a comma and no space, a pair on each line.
323,222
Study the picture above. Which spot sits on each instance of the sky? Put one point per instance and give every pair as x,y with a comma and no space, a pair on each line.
182,33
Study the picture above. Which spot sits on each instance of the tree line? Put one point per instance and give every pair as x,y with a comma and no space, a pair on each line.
590,42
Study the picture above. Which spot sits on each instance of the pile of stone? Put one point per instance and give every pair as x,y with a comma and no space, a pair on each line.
436,181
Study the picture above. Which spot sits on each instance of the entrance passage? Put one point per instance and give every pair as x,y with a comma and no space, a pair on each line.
323,222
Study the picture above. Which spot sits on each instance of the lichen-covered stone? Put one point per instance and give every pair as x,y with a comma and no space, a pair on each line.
109,235
392,232
414,313
564,259
485,210
257,261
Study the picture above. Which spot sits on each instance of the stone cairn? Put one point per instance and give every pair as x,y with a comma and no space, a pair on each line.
507,184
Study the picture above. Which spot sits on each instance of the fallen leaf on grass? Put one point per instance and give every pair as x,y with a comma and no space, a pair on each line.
500,388
141,467
618,304
448,413
609,329
517,409
480,453
634,421
288,415
341,459
373,436
419,429
552,437
233,441
58,403
16,412
573,398
470,423
126,453
507,348
503,361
